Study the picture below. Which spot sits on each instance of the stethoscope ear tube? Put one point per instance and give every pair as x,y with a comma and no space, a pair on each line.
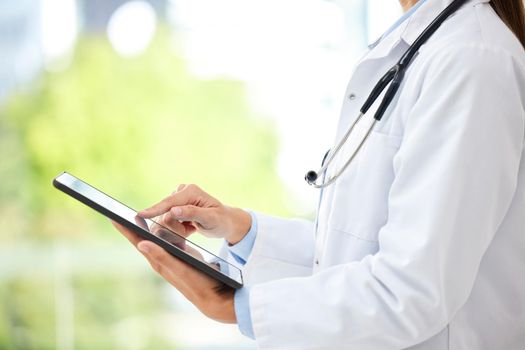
394,76
378,88
390,93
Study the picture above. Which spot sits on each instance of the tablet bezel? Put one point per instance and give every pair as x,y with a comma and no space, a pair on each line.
175,251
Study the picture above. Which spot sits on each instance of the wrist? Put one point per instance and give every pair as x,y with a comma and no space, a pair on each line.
241,222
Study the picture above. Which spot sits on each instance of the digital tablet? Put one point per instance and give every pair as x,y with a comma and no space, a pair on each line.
173,243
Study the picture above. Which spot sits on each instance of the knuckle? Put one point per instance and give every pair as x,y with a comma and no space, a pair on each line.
166,221
188,211
160,257
172,224
199,199
168,218
193,188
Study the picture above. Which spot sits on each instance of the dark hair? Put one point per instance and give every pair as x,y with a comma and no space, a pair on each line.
512,13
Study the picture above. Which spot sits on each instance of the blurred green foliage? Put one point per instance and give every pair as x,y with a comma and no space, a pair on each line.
135,128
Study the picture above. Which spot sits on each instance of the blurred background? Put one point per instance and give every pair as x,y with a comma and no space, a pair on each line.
135,97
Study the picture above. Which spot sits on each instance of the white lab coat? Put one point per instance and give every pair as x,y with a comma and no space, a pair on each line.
421,243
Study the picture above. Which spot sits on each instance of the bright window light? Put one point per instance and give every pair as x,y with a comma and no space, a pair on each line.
59,32
131,28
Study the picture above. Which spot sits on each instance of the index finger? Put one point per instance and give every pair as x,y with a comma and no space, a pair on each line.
175,199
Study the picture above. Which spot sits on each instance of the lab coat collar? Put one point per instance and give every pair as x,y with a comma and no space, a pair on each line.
409,30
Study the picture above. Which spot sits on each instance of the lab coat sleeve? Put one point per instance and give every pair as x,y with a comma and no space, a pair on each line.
282,248
455,176
273,232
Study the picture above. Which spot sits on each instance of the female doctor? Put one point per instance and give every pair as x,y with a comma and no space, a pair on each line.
419,240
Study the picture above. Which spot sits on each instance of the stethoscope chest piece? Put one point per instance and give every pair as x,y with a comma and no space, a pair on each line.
312,176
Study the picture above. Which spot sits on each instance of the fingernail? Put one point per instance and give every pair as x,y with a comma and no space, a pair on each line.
144,248
176,211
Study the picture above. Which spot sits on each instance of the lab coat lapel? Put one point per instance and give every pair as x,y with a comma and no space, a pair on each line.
386,44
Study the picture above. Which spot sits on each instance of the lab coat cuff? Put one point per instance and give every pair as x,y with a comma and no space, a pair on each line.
241,302
261,326
278,239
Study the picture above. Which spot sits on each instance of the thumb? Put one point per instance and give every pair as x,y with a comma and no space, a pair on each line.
159,259
169,267
149,248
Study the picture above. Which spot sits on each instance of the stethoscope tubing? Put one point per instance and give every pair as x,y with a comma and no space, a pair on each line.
393,79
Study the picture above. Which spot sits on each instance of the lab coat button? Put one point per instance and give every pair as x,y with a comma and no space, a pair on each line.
317,261
351,97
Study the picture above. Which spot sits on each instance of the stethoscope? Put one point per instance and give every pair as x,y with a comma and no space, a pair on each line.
394,77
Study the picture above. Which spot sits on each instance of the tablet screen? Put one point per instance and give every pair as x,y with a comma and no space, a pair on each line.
151,226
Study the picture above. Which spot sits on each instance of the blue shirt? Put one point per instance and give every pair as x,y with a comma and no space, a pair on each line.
397,23
241,251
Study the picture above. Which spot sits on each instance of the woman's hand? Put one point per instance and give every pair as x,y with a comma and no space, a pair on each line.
190,209
207,294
